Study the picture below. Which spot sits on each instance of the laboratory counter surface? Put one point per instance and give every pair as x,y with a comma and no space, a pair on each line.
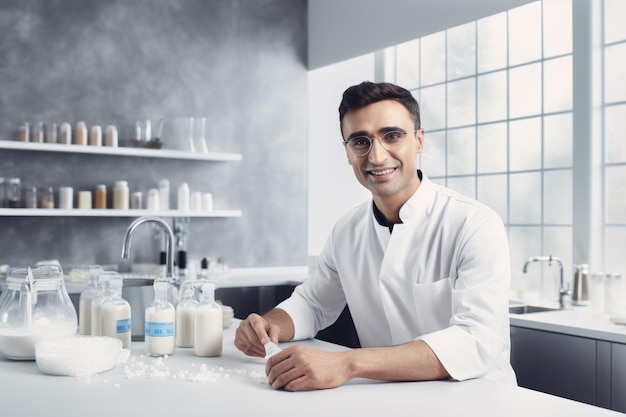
235,385
574,321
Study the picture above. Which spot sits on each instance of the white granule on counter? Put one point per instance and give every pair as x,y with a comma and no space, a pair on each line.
157,368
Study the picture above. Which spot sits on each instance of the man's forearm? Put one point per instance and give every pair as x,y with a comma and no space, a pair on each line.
413,361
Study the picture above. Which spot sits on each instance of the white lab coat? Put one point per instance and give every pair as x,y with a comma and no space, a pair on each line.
442,276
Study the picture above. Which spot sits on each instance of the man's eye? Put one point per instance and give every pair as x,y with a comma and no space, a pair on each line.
392,136
362,142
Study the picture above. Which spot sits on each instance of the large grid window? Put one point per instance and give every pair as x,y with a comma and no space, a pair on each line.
496,98
614,143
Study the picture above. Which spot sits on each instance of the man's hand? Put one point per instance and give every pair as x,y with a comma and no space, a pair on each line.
253,332
303,368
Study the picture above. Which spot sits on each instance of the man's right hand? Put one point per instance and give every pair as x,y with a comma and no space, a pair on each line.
252,334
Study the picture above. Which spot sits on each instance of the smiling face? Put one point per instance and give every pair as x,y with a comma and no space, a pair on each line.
389,175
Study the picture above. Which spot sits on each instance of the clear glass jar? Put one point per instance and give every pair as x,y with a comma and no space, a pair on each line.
35,306
14,193
614,300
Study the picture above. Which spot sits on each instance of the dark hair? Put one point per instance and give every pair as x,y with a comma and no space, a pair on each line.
368,92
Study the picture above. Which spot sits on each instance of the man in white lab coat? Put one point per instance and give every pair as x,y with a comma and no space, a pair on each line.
424,270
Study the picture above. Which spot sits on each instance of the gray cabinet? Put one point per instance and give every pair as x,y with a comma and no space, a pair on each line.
618,377
582,369
555,363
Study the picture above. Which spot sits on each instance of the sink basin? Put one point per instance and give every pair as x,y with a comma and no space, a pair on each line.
526,309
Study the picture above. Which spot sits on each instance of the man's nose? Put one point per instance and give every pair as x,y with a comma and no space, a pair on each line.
377,152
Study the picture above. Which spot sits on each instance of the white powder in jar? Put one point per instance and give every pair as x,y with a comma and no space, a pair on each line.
20,343
78,356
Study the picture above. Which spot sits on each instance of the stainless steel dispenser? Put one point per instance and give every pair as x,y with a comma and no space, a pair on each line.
580,294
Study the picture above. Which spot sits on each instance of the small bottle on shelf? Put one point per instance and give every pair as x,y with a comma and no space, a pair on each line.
80,137
101,197
120,195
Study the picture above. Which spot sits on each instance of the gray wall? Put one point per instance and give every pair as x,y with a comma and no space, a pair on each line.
343,29
240,63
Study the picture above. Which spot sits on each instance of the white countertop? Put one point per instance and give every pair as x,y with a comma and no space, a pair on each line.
575,321
24,391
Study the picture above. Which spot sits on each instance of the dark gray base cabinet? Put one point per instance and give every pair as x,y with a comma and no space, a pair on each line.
582,369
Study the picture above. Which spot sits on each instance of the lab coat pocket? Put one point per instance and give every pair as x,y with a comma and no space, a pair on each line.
433,305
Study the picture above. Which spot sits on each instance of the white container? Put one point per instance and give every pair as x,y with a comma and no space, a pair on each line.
196,201
207,202
208,324
80,137
95,136
153,201
596,292
164,194
84,199
185,310
66,197
160,317
65,134
115,319
183,197
110,136
121,195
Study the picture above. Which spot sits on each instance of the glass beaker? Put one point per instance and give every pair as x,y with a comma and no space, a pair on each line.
35,306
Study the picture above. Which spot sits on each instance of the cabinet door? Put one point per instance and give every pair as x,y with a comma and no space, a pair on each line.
555,363
618,377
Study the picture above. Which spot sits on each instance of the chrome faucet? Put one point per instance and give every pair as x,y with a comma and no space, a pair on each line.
169,236
563,290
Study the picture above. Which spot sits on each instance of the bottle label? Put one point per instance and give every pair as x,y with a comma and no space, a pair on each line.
122,326
160,328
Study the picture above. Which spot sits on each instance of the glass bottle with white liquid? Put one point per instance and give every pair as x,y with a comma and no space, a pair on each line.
96,302
185,310
115,315
160,318
208,324
85,300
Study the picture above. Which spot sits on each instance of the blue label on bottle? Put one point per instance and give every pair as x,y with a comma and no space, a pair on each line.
160,328
122,326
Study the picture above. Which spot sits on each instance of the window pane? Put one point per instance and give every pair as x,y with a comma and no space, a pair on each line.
557,84
492,100
433,107
434,155
557,27
524,243
525,192
492,43
389,69
492,191
616,194
557,241
615,73
525,144
525,91
492,146
615,125
462,51
614,28
463,185
557,141
615,260
461,151
557,197
461,103
525,33
434,53
408,64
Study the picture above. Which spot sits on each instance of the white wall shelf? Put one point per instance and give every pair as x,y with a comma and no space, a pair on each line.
21,212
119,151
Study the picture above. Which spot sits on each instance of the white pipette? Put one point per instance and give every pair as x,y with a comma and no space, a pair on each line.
271,349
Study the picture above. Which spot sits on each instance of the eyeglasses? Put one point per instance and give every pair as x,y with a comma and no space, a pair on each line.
362,145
